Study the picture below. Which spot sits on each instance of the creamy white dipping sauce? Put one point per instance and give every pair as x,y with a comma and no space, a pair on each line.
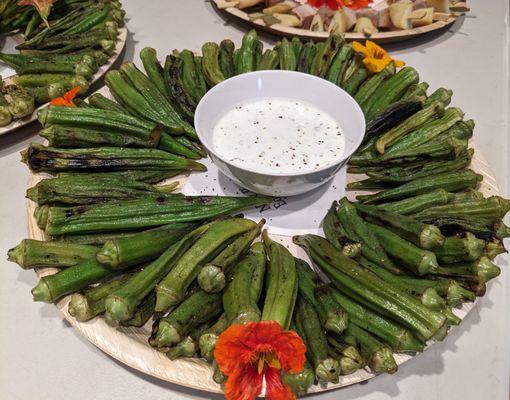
278,135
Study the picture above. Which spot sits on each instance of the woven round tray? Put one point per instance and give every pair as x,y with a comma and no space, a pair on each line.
130,346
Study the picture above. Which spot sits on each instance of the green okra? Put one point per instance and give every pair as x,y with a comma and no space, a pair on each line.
287,56
77,190
326,368
172,289
208,339
357,230
423,235
214,275
281,283
443,95
91,302
336,234
186,348
239,303
144,246
415,204
194,311
245,59
154,70
325,55
138,214
121,305
482,270
380,356
211,64
416,120
419,261
226,58
338,67
460,248
305,57
346,274
369,87
32,253
269,60
449,181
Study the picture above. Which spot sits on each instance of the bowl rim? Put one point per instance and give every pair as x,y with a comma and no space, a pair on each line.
294,74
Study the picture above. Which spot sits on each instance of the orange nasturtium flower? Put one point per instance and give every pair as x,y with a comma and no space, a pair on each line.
43,7
67,99
248,354
376,58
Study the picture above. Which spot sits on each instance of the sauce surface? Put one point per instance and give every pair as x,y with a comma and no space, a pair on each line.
278,136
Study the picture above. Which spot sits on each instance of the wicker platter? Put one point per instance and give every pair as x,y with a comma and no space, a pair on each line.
380,37
120,44
129,345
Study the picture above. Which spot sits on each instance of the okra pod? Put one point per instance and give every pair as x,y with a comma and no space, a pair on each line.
44,94
355,75
154,70
186,348
482,270
245,59
358,230
338,66
238,302
63,137
208,339
213,276
211,64
380,357
335,233
418,203
121,304
41,158
306,56
370,86
326,368
300,382
460,248
346,273
433,111
138,214
172,289
52,287
194,311
144,246
287,56
91,303
325,56
83,190
32,253
282,284
96,119
417,260
423,235
443,95
449,181
226,58
143,312
269,60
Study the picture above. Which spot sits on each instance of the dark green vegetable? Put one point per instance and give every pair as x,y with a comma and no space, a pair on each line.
211,64
226,58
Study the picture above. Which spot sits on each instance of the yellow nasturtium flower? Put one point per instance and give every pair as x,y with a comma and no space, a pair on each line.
376,58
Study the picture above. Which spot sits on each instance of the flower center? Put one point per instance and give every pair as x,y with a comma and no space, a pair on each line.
269,359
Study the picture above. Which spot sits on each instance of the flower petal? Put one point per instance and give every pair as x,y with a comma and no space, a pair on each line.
231,349
245,384
399,63
374,65
275,388
290,351
359,48
70,95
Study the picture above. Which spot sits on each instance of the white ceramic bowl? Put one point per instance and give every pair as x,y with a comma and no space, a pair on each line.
280,84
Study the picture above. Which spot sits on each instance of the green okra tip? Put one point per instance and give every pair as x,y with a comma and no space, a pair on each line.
116,310
349,365
451,317
432,300
431,237
456,294
41,292
383,361
17,254
408,343
109,254
486,270
328,370
186,348
207,344
79,307
211,278
167,335
300,382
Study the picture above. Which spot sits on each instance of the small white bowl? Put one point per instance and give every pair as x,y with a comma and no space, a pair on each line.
280,84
